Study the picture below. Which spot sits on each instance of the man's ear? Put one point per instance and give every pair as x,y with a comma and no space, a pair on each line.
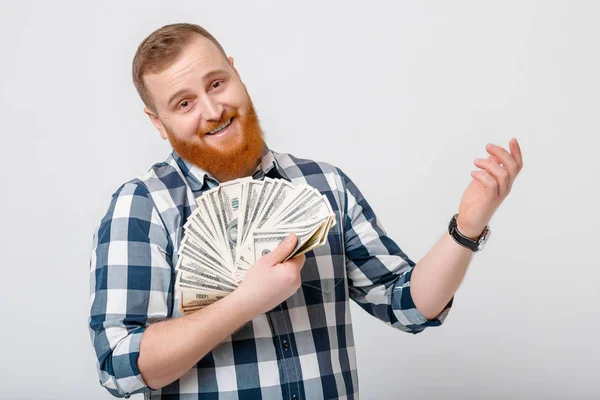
230,59
157,123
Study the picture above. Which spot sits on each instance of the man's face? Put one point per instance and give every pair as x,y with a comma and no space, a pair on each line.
195,96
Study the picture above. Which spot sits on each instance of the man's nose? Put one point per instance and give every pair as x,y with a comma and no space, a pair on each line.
211,110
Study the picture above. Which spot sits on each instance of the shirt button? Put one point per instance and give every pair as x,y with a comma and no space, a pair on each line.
294,397
286,346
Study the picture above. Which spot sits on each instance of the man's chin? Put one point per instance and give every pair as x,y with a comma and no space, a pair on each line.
227,160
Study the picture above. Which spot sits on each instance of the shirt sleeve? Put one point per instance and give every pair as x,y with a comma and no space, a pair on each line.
378,270
130,286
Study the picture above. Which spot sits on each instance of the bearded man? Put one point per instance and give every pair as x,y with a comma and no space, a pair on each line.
286,331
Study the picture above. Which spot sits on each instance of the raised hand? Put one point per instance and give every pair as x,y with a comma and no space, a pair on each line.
489,187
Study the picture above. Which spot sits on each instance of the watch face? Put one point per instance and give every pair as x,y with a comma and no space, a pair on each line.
484,238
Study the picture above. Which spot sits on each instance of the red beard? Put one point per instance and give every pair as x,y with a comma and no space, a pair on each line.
232,160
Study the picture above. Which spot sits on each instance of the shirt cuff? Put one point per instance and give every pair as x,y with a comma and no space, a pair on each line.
125,378
409,316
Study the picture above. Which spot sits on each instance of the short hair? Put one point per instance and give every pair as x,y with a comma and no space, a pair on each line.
160,49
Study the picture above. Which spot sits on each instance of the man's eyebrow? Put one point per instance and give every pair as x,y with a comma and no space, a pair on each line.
206,77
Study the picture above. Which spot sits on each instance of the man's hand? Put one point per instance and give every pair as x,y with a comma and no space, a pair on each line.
489,188
270,282
171,347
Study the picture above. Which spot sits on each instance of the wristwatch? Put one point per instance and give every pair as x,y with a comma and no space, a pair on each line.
473,245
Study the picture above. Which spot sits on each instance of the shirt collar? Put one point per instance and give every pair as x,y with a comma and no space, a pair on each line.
199,179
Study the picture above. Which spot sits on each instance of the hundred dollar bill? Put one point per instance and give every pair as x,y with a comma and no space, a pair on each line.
190,257
190,301
190,280
201,251
270,187
282,195
303,230
304,198
250,219
313,241
330,223
186,264
229,201
198,220
311,207
250,194
220,228
204,245
247,256
195,300
317,210
266,242
292,228
267,184
209,217
193,228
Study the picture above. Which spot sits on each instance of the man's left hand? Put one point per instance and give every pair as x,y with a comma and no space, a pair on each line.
489,188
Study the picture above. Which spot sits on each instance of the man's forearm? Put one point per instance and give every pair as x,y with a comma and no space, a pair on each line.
169,348
438,275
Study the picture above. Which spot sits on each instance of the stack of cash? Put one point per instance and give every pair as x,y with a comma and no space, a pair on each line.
237,223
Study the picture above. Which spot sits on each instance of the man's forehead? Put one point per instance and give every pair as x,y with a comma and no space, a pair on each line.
199,57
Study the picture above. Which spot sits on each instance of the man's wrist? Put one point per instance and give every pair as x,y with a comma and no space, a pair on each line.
242,304
466,233
235,305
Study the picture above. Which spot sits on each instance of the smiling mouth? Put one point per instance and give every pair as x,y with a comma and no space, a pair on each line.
220,129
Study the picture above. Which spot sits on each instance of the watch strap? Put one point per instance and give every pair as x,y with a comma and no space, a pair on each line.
469,243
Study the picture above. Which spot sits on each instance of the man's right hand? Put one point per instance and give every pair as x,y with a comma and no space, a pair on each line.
269,282
171,347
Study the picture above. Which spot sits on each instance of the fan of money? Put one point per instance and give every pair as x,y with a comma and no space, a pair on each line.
238,222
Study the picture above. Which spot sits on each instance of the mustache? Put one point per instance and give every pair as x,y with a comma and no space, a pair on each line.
214,125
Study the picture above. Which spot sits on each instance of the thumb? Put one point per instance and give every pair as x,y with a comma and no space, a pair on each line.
281,252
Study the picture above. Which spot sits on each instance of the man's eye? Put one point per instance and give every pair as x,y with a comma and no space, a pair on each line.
184,104
216,84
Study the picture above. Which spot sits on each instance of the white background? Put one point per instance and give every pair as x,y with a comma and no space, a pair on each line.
402,96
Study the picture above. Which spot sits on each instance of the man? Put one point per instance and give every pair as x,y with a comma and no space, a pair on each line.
285,332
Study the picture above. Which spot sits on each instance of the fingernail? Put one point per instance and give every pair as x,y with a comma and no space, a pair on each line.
287,240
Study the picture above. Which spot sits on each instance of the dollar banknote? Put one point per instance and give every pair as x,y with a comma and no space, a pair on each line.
237,223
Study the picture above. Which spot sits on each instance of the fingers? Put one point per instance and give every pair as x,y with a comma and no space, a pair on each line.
281,252
515,150
494,159
512,162
504,156
486,180
497,173
296,262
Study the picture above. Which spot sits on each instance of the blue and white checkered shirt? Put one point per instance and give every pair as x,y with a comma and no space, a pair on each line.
303,348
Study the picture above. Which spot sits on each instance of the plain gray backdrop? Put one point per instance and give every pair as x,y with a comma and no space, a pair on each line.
402,96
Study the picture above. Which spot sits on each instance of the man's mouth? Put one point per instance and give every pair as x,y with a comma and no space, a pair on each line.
220,129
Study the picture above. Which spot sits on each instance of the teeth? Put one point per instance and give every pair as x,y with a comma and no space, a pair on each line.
225,125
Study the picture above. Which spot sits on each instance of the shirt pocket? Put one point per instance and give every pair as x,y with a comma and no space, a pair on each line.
325,268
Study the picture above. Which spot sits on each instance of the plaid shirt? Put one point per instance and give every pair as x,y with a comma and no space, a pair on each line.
303,348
